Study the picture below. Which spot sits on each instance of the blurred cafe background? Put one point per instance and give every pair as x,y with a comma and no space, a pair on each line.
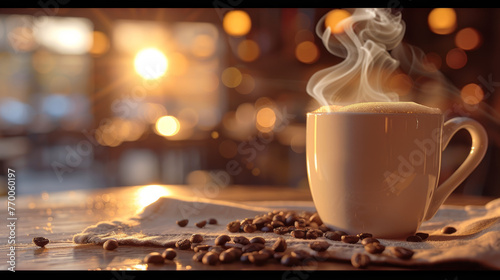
97,98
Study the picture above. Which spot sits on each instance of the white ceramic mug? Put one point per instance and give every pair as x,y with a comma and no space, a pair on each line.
378,172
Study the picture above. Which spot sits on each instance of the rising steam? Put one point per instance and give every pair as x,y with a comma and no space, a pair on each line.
368,36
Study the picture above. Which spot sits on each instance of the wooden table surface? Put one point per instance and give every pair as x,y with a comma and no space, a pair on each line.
58,216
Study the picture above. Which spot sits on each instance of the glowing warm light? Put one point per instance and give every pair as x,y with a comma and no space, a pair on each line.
467,39
334,17
237,23
307,52
100,43
178,64
247,84
151,112
266,117
150,63
472,94
245,113
401,84
203,45
442,20
43,61
231,77
167,126
65,35
214,134
151,193
248,50
456,58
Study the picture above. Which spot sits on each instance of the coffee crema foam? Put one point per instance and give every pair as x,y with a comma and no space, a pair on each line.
381,107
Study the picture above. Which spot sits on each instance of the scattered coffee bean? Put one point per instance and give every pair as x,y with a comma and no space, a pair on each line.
360,260
183,244
414,238
222,239
182,223
301,254
298,233
280,230
249,228
227,257
323,228
261,221
333,235
342,233
268,251
236,251
364,235
212,221
369,240
198,256
196,238
280,245
110,244
201,224
170,244
258,239
230,245
199,248
154,257
278,255
448,230
169,254
210,258
241,240
289,260
276,224
252,247
40,241
267,228
233,226
300,223
352,239
216,249
319,246
374,248
315,218
422,235
290,220
258,258
402,253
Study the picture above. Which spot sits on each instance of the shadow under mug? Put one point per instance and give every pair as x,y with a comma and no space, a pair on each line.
378,172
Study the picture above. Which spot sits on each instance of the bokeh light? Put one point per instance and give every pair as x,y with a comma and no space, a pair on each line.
442,20
237,23
472,94
401,84
468,39
150,63
203,45
167,126
100,43
456,58
266,117
248,50
334,17
247,84
231,77
149,194
178,64
307,52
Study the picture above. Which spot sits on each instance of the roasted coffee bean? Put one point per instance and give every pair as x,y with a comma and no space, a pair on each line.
203,247
323,228
422,235
258,239
333,235
182,223
241,240
196,238
170,244
258,258
110,244
270,252
402,253
210,258
222,239
216,249
230,245
280,230
244,257
212,221
278,255
201,224
300,223
448,230
301,254
277,224
298,233
198,256
315,218
290,220
183,244
364,235
360,260
154,257
169,254
280,245
414,238
249,228
40,241
374,248
313,233
261,221
352,239
233,226
319,246
279,218
252,247
369,240
236,251
289,260
227,257
267,228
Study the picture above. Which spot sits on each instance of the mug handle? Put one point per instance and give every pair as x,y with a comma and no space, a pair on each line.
477,152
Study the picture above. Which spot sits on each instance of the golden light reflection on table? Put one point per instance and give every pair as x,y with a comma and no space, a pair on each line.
149,194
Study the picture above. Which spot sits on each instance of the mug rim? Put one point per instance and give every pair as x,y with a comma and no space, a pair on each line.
373,113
